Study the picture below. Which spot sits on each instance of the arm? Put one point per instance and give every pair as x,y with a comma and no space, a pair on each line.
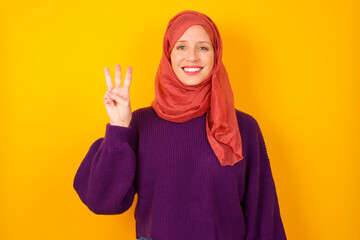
105,178
260,207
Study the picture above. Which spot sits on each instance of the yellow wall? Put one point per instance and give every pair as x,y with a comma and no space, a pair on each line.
293,65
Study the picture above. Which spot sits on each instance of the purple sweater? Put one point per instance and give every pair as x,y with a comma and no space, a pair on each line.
183,191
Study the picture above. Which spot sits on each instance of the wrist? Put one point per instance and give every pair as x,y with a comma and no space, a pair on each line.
121,124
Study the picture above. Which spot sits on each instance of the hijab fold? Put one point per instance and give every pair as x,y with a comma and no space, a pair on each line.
177,102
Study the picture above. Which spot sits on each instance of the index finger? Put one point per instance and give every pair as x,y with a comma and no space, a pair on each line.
128,77
109,83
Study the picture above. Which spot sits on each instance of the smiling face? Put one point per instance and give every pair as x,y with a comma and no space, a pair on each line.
192,57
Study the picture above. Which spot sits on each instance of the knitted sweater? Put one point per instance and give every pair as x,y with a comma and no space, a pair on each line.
183,191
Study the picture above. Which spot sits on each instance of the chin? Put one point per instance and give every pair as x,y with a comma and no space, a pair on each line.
191,83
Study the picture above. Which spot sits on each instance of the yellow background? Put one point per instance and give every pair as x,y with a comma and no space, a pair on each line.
293,65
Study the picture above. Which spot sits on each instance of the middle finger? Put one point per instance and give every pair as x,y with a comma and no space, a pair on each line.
117,76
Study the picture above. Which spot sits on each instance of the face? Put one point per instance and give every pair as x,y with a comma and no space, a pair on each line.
192,57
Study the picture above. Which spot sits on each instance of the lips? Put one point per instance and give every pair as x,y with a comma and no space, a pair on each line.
192,70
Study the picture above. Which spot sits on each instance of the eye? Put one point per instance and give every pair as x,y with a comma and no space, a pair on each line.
180,47
204,48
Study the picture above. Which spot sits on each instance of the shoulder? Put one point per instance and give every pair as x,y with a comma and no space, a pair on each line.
144,112
251,133
142,115
248,126
245,120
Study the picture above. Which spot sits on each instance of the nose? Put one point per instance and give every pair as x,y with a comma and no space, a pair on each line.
192,55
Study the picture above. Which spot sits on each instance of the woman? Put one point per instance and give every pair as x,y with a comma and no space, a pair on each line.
195,175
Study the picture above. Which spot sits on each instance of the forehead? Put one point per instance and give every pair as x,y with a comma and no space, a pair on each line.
195,33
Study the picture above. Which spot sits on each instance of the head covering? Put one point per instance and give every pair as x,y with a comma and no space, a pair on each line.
178,102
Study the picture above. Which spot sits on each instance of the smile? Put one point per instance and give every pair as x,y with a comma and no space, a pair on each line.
192,70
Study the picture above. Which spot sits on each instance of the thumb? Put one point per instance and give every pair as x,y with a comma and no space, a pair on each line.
113,96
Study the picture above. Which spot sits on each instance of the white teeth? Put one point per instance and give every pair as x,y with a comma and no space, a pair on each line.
192,69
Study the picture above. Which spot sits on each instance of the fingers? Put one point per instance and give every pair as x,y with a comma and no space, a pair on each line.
108,100
127,80
117,76
109,83
128,77
113,96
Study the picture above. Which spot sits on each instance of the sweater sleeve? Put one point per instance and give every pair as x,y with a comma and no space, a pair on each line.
105,179
260,207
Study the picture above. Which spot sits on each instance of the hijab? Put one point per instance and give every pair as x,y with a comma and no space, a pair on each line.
177,102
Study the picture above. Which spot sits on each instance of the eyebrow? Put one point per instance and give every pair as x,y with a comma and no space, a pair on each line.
198,42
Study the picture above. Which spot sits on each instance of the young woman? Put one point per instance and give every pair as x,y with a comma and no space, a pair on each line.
198,165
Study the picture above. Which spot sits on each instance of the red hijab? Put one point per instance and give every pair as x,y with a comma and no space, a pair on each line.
178,102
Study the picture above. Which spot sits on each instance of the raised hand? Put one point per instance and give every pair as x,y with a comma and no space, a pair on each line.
117,100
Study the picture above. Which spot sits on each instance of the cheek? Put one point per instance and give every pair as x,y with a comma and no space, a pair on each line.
175,59
174,62
171,58
211,60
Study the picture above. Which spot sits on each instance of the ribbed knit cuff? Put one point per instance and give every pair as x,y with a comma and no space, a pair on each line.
115,136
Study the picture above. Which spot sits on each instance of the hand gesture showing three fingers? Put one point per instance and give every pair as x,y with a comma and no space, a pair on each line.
117,100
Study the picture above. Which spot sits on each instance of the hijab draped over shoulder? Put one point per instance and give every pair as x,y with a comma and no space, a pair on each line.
177,102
